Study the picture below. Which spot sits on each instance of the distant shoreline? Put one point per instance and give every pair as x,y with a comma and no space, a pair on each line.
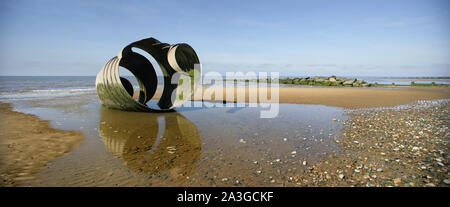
341,81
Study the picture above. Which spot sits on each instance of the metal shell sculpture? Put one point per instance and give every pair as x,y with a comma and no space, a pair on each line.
180,67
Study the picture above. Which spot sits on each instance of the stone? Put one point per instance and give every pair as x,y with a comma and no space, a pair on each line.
341,176
319,80
349,82
446,181
398,181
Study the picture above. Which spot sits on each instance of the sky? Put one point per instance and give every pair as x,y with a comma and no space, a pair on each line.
295,38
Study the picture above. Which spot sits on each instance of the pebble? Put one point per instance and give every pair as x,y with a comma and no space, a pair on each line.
284,139
294,152
341,176
398,181
409,139
446,181
224,179
304,163
242,141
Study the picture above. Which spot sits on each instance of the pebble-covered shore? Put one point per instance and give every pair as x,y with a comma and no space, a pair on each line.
402,146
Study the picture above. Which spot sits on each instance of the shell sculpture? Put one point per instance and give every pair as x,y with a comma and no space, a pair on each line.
180,67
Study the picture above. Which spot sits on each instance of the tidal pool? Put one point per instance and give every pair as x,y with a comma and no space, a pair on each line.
218,146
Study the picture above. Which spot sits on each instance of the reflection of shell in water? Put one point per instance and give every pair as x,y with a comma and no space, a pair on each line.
131,136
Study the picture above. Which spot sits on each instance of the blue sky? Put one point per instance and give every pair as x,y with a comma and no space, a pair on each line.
351,38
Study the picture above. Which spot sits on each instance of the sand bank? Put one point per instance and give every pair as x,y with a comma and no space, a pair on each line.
27,144
351,97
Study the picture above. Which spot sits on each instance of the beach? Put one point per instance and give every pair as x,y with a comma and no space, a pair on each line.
365,137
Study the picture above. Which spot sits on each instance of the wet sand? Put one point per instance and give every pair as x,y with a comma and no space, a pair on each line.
27,144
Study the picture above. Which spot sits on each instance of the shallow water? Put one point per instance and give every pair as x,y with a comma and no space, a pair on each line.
191,147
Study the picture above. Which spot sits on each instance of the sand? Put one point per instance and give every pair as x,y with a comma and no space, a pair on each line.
359,97
27,144
345,97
